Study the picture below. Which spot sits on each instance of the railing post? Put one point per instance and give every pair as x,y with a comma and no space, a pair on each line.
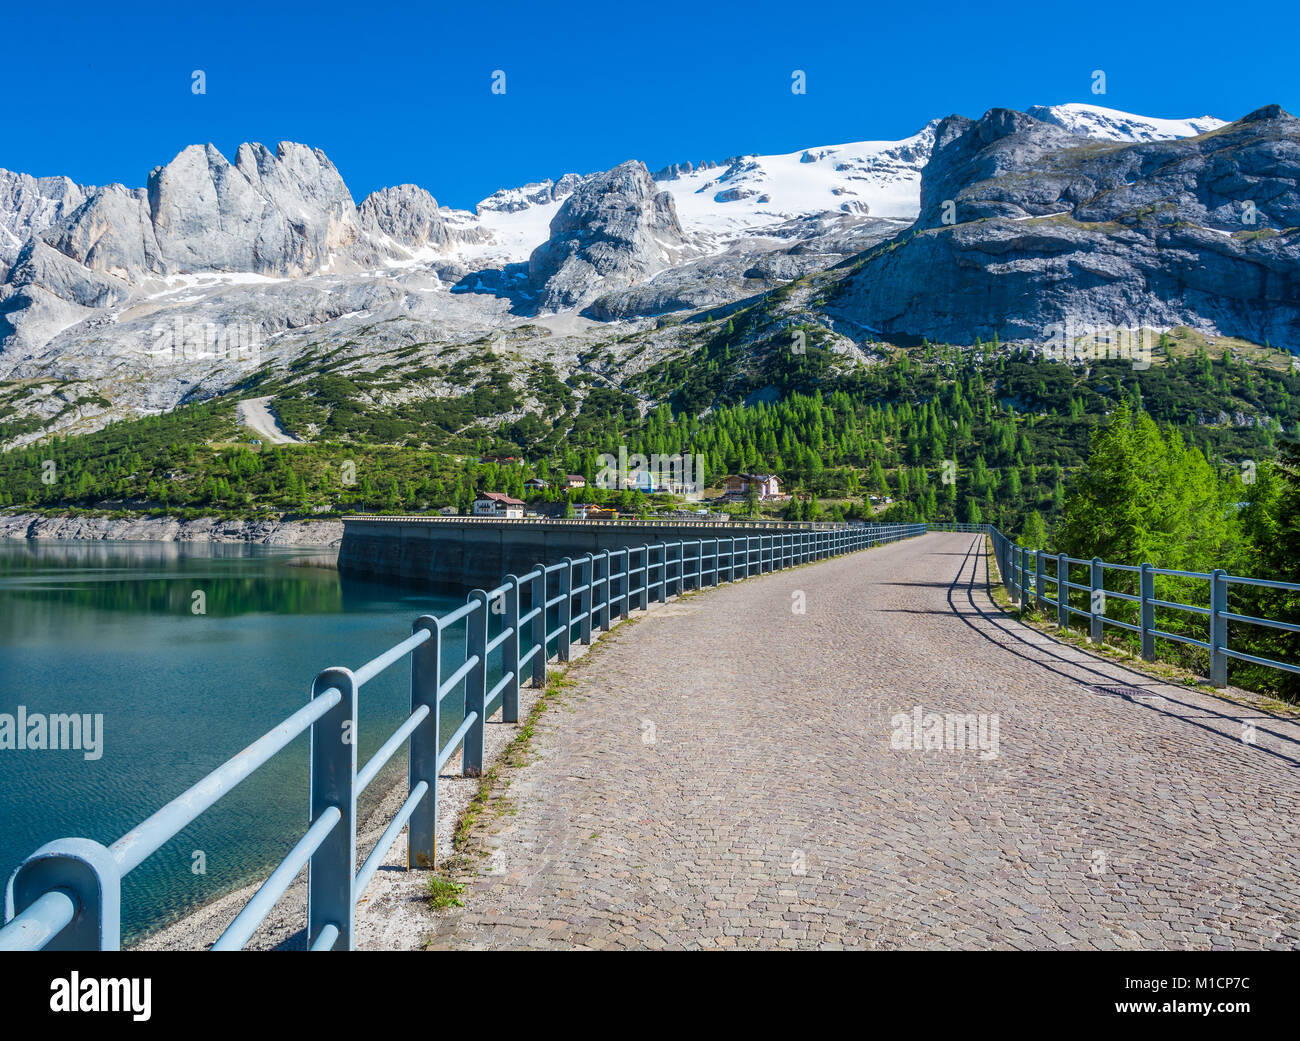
537,628
510,653
643,591
584,576
663,574
476,637
606,587
717,561
330,873
90,876
565,620
1040,581
1024,577
1218,627
1062,591
1096,585
1147,618
625,585
426,677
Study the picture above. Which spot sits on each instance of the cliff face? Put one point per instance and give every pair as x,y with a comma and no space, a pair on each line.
1024,227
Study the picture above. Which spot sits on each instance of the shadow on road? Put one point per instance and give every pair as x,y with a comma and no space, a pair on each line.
962,602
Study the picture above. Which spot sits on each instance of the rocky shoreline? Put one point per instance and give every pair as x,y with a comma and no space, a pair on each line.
324,533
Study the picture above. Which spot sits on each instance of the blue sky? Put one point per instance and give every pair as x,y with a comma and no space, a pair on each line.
403,94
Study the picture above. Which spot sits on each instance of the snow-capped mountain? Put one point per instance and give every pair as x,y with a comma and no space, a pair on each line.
1107,124
719,203
876,178
716,201
273,244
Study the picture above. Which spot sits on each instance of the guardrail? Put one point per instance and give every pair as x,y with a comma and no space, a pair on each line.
67,895
1026,575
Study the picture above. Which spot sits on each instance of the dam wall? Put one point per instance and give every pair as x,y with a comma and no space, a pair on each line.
456,553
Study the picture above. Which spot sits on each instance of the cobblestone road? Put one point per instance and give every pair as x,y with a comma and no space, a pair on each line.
723,776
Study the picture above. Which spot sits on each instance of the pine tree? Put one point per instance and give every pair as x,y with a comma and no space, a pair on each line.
1034,535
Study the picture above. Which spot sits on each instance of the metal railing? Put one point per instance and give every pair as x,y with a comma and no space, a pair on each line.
1026,575
67,895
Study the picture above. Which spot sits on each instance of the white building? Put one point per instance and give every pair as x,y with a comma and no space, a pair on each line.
498,504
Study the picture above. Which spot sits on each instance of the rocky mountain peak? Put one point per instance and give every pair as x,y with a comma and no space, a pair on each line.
1266,112
1045,229
29,205
615,229
406,214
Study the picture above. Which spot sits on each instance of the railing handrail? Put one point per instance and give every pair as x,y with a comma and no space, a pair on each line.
67,893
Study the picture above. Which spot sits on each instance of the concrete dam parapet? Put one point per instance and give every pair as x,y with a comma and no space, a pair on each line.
465,552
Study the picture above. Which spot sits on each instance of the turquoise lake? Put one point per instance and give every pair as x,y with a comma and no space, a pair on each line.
108,628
